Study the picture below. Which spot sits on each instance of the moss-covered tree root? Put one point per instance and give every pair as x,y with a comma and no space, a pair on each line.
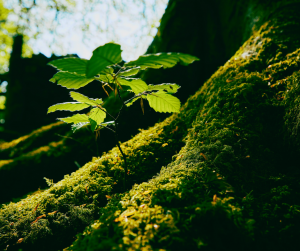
71,204
239,134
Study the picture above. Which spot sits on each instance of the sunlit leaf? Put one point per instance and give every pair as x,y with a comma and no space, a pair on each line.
77,126
77,118
70,106
107,78
107,123
165,60
163,102
70,80
97,115
130,72
84,99
137,85
103,56
135,99
75,65
169,88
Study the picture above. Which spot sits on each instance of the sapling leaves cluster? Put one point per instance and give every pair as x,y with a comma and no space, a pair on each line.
106,67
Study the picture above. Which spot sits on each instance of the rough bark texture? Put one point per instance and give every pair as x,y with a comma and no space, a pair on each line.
233,185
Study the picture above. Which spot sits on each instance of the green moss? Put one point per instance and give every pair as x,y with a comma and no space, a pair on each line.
79,196
31,141
237,134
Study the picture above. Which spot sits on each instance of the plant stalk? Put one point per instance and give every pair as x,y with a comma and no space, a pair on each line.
124,157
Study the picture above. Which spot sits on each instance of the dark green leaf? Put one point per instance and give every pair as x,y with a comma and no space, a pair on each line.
166,60
107,70
84,99
163,102
77,118
70,80
136,84
169,88
75,65
93,124
103,56
70,106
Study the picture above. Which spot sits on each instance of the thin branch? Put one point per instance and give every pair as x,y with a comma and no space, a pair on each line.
107,113
124,157
109,129
122,104
127,101
66,137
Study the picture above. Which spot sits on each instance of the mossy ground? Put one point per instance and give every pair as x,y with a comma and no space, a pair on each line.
234,185
84,191
28,159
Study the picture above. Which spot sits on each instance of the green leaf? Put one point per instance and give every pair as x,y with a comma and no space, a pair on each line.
107,70
84,99
135,99
169,88
107,78
70,106
77,126
70,80
163,102
93,124
166,60
136,84
75,65
97,115
107,123
130,72
77,118
103,56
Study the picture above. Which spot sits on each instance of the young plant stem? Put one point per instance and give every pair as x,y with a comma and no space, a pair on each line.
97,147
124,157
117,140
66,137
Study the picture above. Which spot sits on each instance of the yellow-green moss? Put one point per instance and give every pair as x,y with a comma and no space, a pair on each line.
31,141
237,134
86,189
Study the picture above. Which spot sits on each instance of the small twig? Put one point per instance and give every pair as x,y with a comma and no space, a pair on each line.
77,164
125,162
109,129
127,101
124,156
122,104
107,113
76,141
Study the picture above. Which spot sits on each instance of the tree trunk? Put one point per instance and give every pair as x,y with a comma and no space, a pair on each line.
233,185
